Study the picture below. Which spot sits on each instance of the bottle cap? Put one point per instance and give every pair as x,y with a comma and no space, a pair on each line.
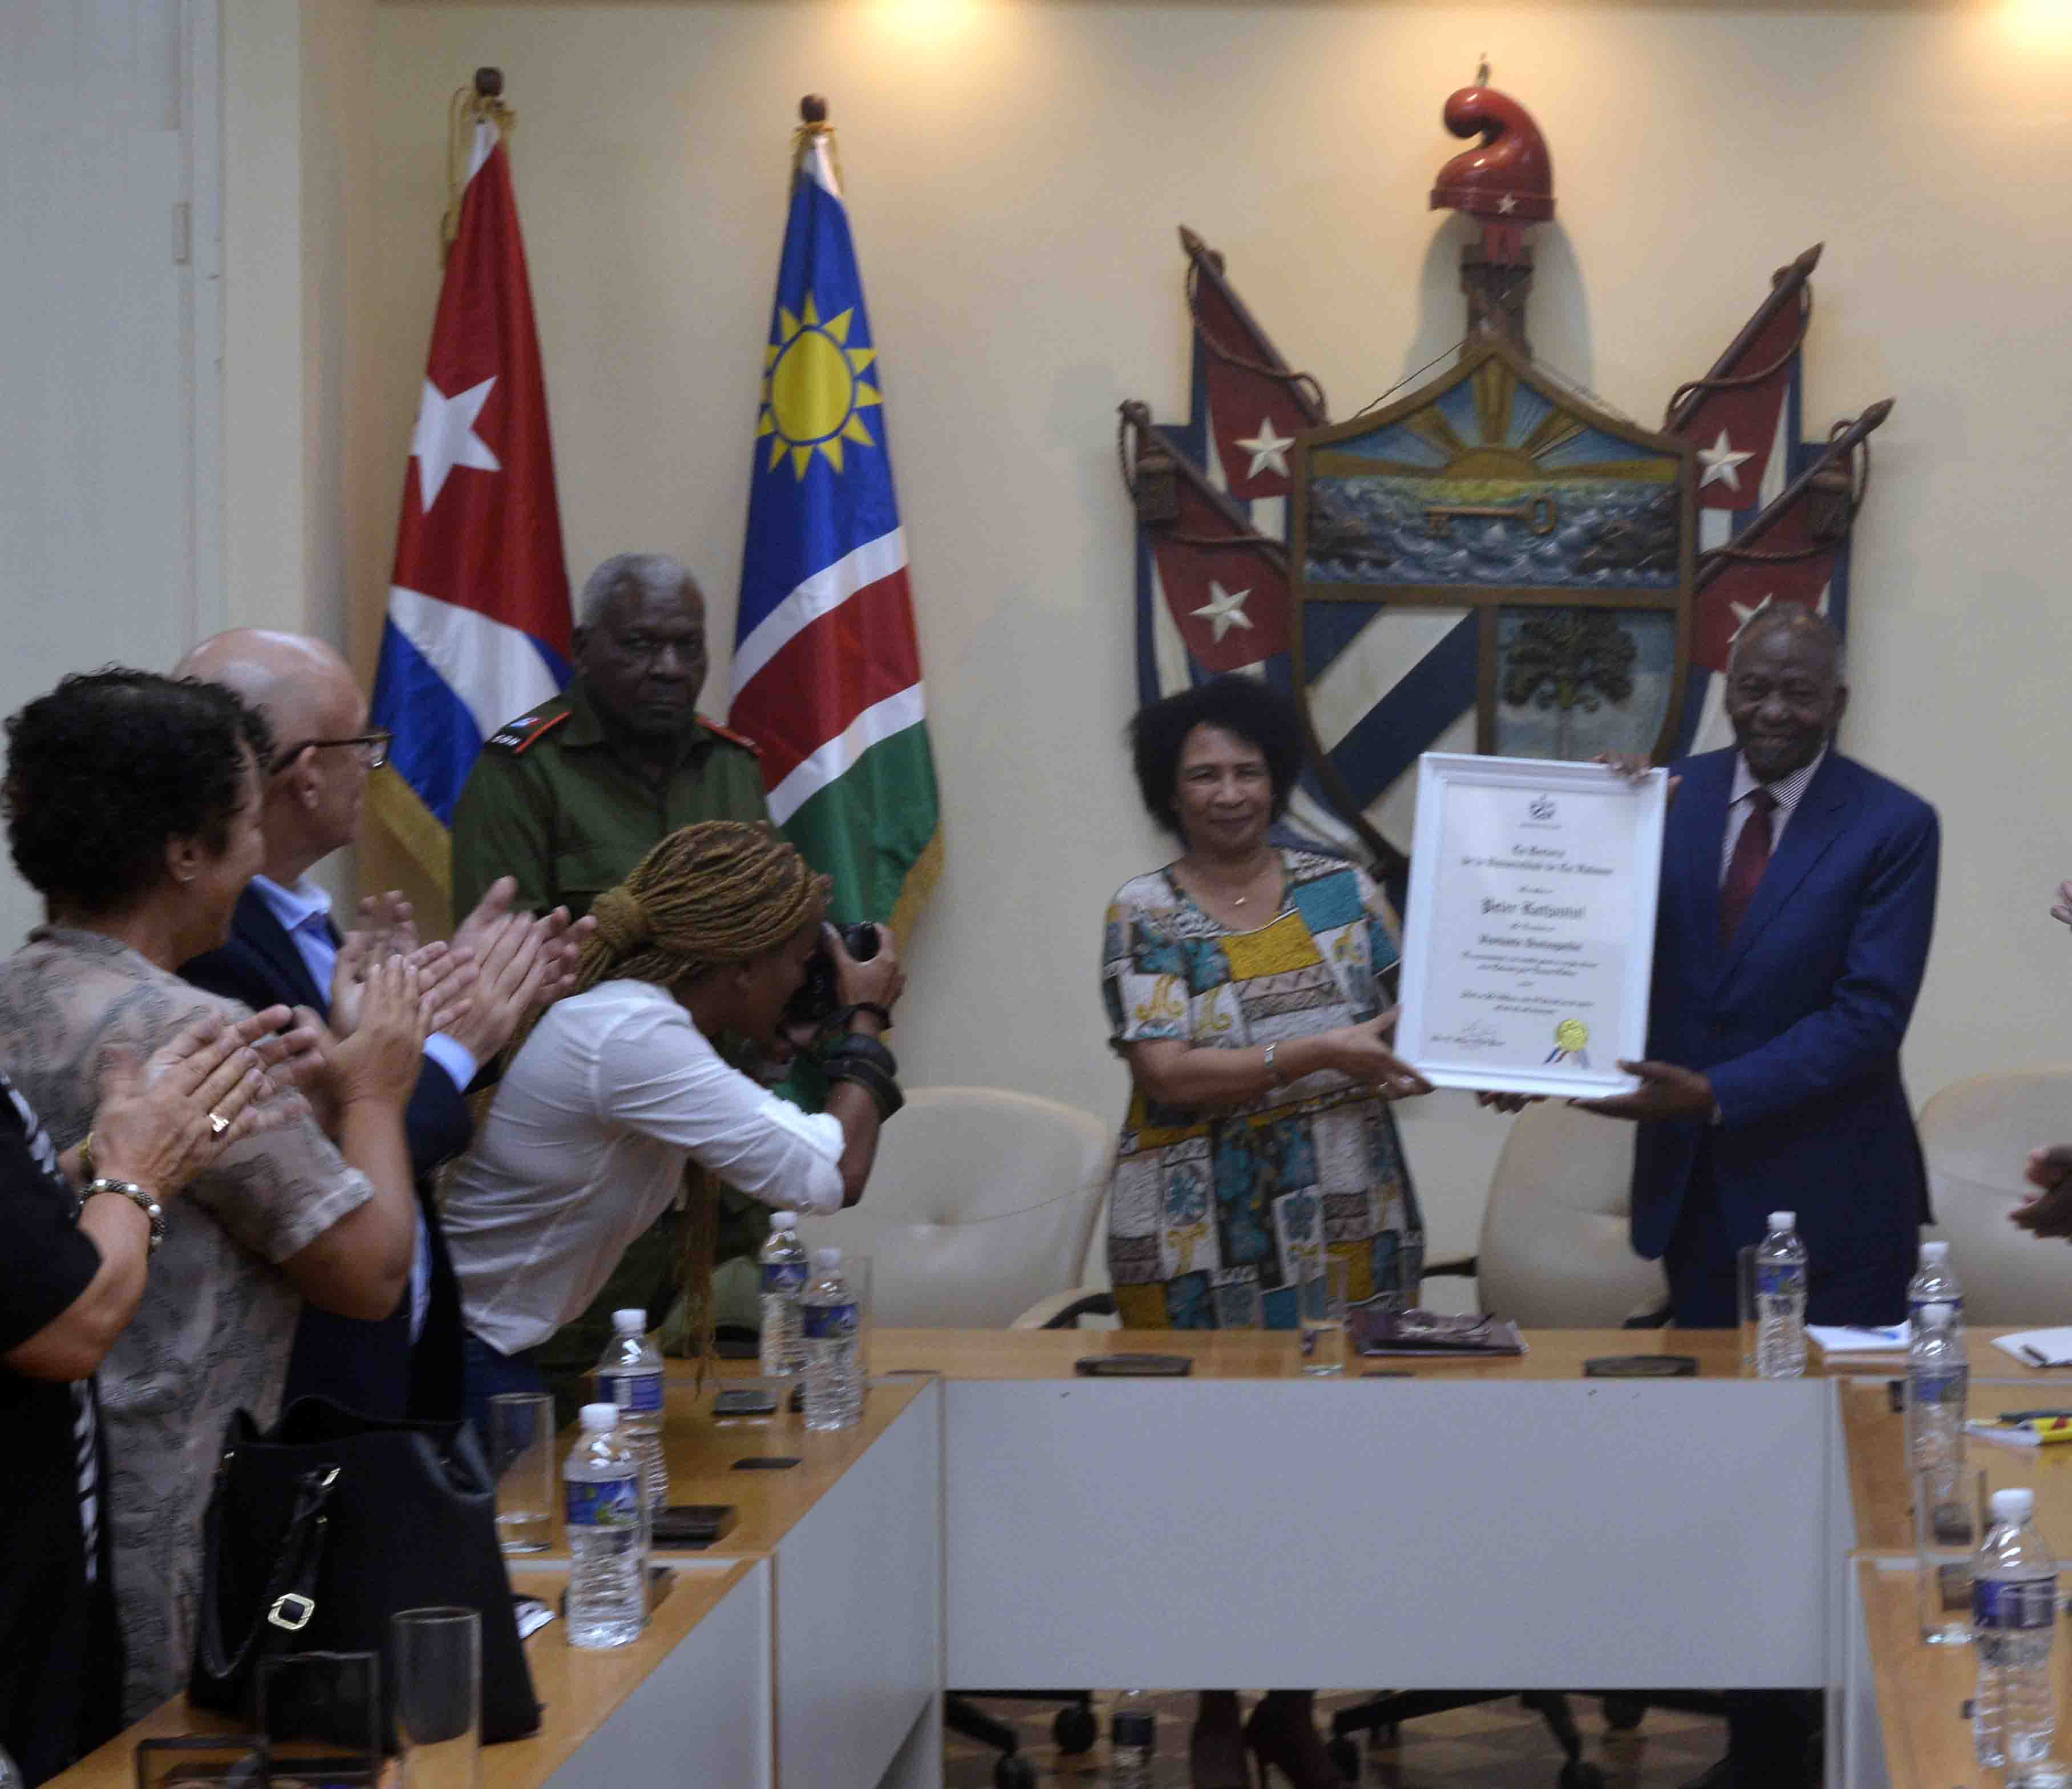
630,1321
1938,1315
784,1220
597,1417
1783,1220
2015,1504
827,1259
1935,1251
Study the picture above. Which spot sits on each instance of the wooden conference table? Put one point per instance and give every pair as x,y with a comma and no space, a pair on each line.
997,1520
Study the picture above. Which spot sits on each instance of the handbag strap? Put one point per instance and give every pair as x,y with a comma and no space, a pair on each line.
289,1600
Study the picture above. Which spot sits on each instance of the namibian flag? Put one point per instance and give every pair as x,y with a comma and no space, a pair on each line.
827,673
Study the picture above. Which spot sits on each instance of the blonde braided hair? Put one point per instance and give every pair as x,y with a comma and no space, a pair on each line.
722,891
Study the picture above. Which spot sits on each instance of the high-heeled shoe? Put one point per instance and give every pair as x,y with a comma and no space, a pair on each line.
1288,1741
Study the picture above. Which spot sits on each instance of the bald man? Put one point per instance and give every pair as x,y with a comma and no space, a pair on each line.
283,947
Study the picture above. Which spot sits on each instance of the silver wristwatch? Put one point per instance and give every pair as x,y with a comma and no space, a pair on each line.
143,1201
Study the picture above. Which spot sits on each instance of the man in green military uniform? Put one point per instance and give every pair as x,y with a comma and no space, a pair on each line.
573,793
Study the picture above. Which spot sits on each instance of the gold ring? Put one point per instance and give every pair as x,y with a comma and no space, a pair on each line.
217,1124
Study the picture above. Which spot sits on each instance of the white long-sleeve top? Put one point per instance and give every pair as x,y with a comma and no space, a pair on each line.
585,1148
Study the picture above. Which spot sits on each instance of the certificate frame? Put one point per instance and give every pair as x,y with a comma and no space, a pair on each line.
1456,791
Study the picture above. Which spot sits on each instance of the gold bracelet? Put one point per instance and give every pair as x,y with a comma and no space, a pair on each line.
86,1158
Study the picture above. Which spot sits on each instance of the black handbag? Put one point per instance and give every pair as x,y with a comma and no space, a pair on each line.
321,1530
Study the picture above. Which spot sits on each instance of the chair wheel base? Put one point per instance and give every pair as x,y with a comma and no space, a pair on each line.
1623,1713
1074,1729
1578,1774
1013,1772
1346,1755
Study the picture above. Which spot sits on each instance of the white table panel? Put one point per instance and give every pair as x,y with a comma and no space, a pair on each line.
1550,1534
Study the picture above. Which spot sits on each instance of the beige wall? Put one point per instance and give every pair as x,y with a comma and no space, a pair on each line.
1015,175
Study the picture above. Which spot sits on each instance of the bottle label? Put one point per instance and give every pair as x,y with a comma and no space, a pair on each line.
1948,1388
640,1392
829,1323
1777,1280
614,1503
2022,1605
1915,1306
784,1279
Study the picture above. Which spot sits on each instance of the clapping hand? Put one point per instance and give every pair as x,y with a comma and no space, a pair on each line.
2047,1212
524,964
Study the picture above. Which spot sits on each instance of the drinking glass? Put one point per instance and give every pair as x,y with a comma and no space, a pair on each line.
521,1459
1326,1284
320,1713
1745,1299
435,1660
1948,1520
856,1269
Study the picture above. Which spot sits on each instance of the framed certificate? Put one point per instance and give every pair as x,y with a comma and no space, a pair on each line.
1529,934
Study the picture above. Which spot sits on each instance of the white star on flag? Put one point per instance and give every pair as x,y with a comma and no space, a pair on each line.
1225,609
1506,205
1743,615
1720,460
1267,449
445,438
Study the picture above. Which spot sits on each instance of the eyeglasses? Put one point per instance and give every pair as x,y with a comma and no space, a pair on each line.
373,749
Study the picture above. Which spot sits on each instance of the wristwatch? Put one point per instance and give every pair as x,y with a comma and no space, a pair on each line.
143,1201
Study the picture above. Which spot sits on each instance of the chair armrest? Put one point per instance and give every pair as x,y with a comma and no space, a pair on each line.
1063,1310
1461,1267
1656,1317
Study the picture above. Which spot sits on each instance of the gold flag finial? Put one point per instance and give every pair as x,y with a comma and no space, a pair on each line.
481,102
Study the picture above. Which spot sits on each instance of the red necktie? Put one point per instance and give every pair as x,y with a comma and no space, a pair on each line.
1744,869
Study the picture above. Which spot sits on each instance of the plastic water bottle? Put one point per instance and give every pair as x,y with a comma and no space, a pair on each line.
1132,1737
10,1772
607,1561
1934,1282
2014,1619
1939,1382
1780,1301
630,1376
834,1374
784,1275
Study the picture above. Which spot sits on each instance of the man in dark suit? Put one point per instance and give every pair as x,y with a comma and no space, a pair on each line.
1798,899
283,947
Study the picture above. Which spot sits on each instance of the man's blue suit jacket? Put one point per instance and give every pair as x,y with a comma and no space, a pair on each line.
370,1367
1798,1022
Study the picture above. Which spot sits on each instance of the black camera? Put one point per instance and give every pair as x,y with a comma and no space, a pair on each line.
815,1003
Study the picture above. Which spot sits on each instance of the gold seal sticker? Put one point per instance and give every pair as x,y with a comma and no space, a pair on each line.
1572,1034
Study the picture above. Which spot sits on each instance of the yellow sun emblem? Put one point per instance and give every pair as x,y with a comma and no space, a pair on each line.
813,389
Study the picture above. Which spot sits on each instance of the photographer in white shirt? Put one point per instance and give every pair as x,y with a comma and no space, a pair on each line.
618,1101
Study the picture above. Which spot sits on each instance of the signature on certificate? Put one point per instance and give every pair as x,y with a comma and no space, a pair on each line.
1474,1035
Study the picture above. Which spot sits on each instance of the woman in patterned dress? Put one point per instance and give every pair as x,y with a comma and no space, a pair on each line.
1242,987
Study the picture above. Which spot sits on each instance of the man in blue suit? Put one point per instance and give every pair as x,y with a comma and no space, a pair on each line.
283,947
1798,899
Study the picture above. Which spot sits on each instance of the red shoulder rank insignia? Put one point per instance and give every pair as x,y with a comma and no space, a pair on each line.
712,725
527,729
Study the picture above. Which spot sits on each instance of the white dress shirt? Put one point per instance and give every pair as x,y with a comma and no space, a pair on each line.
585,1146
1786,792
304,912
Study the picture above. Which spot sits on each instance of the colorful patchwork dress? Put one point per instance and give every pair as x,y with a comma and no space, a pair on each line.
1211,1214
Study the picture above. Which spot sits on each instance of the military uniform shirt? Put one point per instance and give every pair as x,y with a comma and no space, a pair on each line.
552,802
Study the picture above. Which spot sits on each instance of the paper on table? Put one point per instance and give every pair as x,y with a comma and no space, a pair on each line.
1837,1339
2038,1347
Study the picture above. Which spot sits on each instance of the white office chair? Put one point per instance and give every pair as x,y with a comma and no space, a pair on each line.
1554,1252
1976,1136
982,1202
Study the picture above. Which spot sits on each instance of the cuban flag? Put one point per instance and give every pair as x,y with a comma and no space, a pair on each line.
826,669
477,620
1745,421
